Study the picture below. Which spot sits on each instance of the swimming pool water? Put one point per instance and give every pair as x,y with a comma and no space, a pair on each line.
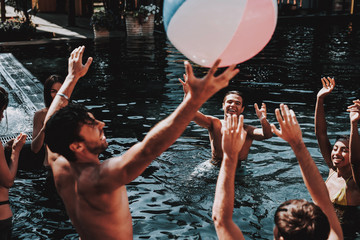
133,83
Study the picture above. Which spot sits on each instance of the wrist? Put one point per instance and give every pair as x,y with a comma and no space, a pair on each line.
15,152
232,156
297,145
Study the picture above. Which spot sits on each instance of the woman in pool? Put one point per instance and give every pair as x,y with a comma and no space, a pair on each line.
342,181
51,87
7,173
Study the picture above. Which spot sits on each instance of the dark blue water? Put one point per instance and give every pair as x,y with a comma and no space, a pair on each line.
133,83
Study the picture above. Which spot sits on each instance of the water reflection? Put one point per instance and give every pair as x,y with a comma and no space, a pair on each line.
131,85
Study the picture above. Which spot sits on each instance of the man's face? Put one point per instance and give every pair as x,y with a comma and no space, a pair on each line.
93,136
233,104
340,153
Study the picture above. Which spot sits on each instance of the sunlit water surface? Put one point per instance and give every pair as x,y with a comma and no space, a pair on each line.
133,84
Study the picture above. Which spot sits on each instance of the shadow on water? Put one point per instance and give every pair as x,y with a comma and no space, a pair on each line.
133,83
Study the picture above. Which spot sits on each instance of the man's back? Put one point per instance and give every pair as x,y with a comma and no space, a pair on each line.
96,214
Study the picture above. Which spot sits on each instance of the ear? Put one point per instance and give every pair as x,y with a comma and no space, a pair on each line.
242,109
76,147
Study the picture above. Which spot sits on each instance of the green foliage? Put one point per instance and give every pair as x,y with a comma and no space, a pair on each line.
104,19
143,11
16,30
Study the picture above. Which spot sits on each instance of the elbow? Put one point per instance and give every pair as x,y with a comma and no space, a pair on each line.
35,148
268,135
218,218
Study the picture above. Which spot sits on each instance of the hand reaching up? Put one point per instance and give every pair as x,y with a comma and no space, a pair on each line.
75,66
328,85
354,111
234,135
289,127
261,113
203,88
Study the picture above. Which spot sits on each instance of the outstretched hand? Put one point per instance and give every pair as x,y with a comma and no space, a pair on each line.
289,127
354,111
328,85
75,66
261,113
204,88
234,135
184,84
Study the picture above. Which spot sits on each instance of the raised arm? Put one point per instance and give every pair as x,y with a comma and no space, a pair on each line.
76,70
8,173
124,169
320,122
355,141
232,141
290,131
265,131
201,119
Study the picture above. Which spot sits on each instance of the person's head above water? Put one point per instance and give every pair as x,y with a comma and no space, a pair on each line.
298,220
340,155
51,87
233,103
73,130
4,101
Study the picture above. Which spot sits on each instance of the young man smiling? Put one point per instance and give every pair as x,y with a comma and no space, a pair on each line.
233,104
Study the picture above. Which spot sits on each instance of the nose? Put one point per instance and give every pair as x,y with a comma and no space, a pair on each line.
337,151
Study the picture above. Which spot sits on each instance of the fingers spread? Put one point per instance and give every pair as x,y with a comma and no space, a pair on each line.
188,69
214,67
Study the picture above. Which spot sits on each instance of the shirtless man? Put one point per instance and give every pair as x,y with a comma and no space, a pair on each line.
294,219
94,192
343,179
233,103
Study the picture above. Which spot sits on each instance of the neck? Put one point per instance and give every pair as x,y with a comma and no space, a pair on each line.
344,172
87,158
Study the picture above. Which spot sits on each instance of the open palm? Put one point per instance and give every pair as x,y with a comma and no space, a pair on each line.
328,85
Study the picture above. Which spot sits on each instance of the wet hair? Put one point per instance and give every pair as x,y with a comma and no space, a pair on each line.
4,102
4,98
345,138
236,93
49,82
63,128
299,219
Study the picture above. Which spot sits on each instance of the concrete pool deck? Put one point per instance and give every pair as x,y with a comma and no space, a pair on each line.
56,25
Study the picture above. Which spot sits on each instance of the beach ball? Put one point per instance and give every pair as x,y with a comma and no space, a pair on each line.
232,30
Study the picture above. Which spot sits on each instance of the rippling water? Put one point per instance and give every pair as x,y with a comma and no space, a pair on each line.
133,83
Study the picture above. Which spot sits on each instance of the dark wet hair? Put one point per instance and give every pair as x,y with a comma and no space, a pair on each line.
343,138
63,128
236,93
299,219
4,98
4,102
49,82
